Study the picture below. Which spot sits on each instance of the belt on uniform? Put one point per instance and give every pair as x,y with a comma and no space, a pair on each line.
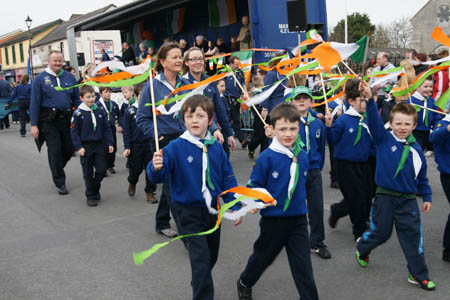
383,191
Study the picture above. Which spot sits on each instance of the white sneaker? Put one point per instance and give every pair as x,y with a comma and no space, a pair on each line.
428,153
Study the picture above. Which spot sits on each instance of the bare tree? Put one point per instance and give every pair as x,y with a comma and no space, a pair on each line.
380,38
400,33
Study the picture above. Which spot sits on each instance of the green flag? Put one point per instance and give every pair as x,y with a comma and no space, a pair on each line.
361,54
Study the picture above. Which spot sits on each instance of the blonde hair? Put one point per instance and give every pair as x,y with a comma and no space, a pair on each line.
129,88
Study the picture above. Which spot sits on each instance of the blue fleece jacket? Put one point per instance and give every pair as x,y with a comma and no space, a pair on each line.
389,152
182,166
132,134
271,172
317,133
440,137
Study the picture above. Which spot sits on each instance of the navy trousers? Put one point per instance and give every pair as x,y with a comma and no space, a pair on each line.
111,157
93,164
445,181
278,233
314,196
203,250
387,211
140,156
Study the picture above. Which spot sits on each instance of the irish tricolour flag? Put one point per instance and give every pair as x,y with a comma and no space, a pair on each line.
221,13
175,20
246,61
330,53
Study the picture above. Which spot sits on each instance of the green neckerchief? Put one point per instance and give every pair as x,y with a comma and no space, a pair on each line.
206,143
410,140
309,120
298,145
426,112
132,101
93,108
358,136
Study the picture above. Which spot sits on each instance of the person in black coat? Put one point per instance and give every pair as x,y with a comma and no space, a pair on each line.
128,57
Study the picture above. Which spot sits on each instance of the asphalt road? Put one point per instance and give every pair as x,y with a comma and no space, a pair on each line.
56,247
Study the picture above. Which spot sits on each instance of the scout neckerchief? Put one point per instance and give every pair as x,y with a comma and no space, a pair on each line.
418,96
294,169
352,112
49,71
339,105
91,109
417,161
206,177
133,100
308,121
109,111
447,118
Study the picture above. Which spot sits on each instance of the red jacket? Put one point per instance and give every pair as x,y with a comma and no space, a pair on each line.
441,80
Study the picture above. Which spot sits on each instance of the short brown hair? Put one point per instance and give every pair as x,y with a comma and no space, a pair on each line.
403,108
162,54
104,88
284,111
187,55
84,89
24,79
232,59
352,89
191,104
138,89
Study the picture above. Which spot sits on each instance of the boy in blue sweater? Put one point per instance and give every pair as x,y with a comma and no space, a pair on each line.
352,142
284,225
198,170
426,119
312,133
90,131
112,111
137,148
401,172
440,137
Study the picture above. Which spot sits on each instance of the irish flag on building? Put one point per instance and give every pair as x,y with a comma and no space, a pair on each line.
221,13
246,61
175,20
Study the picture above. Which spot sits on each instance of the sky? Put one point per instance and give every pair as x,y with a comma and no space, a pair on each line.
43,11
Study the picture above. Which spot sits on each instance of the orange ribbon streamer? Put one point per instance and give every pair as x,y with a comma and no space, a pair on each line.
329,100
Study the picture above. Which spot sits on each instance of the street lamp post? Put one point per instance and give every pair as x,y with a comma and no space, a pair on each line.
30,54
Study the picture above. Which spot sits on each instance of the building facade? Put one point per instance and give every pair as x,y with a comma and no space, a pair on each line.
436,13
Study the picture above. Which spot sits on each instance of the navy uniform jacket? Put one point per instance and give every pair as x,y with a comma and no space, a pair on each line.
220,110
132,134
440,137
432,116
22,91
82,129
342,135
317,133
112,111
277,96
182,166
122,111
167,124
271,172
389,152
43,94
5,89
232,89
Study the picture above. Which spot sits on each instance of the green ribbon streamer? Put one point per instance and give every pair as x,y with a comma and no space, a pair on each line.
306,67
330,92
297,148
393,70
207,143
410,140
443,100
420,81
140,257
358,135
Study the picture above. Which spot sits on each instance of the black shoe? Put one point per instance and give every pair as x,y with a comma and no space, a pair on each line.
334,185
322,252
332,221
62,190
244,144
112,171
251,154
92,202
244,293
446,254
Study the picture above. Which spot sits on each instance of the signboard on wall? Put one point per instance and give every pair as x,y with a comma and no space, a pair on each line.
98,46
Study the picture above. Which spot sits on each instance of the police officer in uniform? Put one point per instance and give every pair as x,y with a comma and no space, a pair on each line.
50,114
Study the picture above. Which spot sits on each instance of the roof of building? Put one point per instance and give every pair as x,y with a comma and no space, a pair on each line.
34,31
421,9
60,32
9,36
